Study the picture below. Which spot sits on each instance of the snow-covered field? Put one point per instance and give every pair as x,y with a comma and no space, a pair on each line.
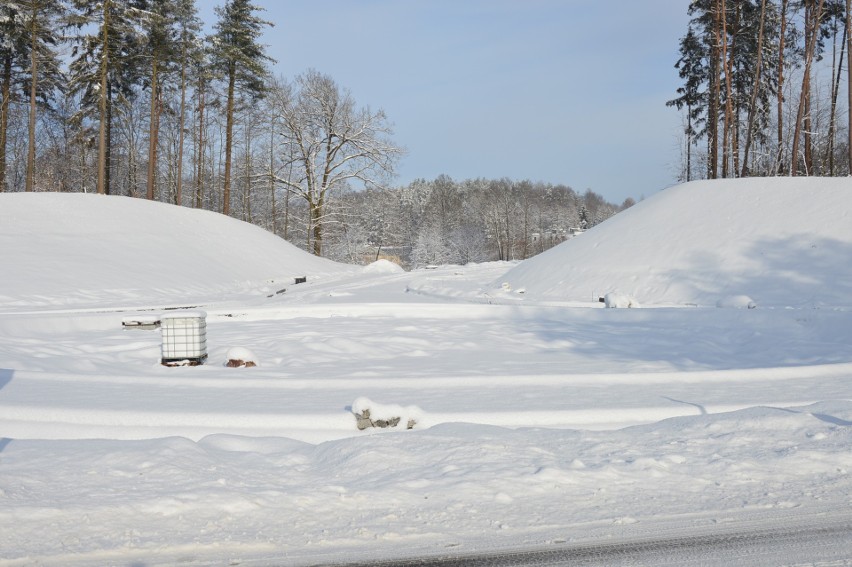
541,418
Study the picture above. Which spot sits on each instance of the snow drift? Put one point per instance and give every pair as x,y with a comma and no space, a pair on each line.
166,253
779,241
742,417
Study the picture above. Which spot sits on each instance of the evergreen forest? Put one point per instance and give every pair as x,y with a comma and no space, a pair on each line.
765,88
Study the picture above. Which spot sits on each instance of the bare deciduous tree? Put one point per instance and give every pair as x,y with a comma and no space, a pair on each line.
329,143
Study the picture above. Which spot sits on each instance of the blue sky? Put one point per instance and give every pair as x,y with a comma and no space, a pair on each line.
561,91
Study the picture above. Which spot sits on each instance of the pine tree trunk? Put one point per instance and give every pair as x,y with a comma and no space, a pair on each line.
728,118
181,125
30,176
779,165
153,130
752,107
811,32
132,172
735,116
272,174
689,143
807,129
848,80
108,151
102,130
229,132
247,176
836,73
4,117
715,97
199,178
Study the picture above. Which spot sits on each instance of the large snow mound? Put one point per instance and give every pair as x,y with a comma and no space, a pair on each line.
383,266
60,248
782,242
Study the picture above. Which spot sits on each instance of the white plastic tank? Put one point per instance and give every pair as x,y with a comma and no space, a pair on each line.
184,338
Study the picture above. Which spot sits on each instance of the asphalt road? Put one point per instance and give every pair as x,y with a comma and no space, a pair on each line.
827,543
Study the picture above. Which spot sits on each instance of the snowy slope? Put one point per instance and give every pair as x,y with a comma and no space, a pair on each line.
780,241
79,249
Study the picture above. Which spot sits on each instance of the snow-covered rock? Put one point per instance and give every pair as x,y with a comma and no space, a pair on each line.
371,414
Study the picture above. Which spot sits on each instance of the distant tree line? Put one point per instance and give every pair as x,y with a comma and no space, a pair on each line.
762,84
443,221
129,97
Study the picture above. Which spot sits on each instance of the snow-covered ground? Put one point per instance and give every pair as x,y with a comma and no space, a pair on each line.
540,418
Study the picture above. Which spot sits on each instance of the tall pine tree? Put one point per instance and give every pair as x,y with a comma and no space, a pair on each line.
163,52
45,75
728,62
14,51
189,47
693,70
240,60
107,58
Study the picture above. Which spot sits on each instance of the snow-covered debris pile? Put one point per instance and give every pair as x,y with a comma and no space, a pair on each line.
370,414
620,301
241,357
783,242
168,254
144,322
